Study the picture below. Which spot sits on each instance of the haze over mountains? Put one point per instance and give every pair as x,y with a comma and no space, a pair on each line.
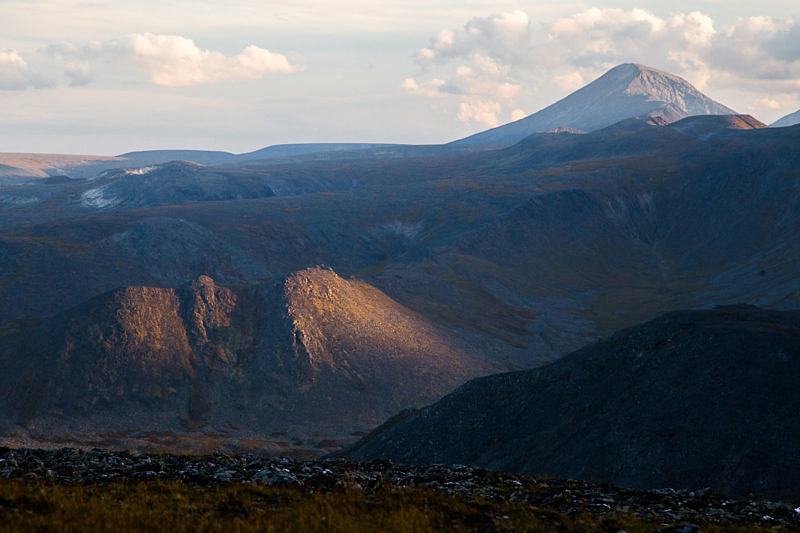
441,263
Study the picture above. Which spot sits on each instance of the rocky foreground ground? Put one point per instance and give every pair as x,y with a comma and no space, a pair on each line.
674,510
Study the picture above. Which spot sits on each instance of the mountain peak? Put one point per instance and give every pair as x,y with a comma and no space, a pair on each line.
626,91
633,70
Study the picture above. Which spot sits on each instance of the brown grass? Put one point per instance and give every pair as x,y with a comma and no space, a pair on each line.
179,507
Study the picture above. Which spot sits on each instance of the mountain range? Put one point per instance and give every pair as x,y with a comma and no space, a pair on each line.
317,292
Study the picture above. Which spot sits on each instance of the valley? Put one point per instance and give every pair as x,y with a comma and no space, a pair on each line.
292,299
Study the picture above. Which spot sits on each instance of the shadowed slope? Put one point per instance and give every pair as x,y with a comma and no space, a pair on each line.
691,399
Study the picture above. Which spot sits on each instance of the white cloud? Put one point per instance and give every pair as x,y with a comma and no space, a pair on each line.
474,63
430,88
595,40
760,48
503,36
15,73
518,114
767,103
172,60
482,112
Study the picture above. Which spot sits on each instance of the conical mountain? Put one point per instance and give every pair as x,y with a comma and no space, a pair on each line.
625,91
789,120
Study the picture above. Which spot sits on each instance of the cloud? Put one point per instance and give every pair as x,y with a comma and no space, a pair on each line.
15,74
502,36
518,114
595,40
480,112
430,88
172,61
474,63
79,74
767,103
760,47
503,59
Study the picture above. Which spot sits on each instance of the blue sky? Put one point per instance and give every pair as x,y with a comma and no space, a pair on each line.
109,76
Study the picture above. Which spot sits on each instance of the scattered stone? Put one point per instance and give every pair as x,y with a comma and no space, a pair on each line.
678,510
685,528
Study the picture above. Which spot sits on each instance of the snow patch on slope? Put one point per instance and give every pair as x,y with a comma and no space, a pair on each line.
140,171
96,198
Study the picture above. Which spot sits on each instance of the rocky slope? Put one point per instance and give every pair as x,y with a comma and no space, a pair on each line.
175,183
691,399
319,354
495,495
625,91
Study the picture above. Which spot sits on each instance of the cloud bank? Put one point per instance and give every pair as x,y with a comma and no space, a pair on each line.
486,63
174,61
169,60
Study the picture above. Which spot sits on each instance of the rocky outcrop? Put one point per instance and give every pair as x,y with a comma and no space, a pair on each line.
313,352
346,326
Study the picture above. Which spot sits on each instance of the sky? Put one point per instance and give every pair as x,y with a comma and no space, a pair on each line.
106,77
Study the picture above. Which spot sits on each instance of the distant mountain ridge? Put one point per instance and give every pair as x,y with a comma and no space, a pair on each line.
16,165
211,157
289,150
789,120
626,91
692,399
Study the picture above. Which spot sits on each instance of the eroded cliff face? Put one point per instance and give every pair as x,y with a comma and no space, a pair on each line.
142,343
314,351
208,309
129,344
